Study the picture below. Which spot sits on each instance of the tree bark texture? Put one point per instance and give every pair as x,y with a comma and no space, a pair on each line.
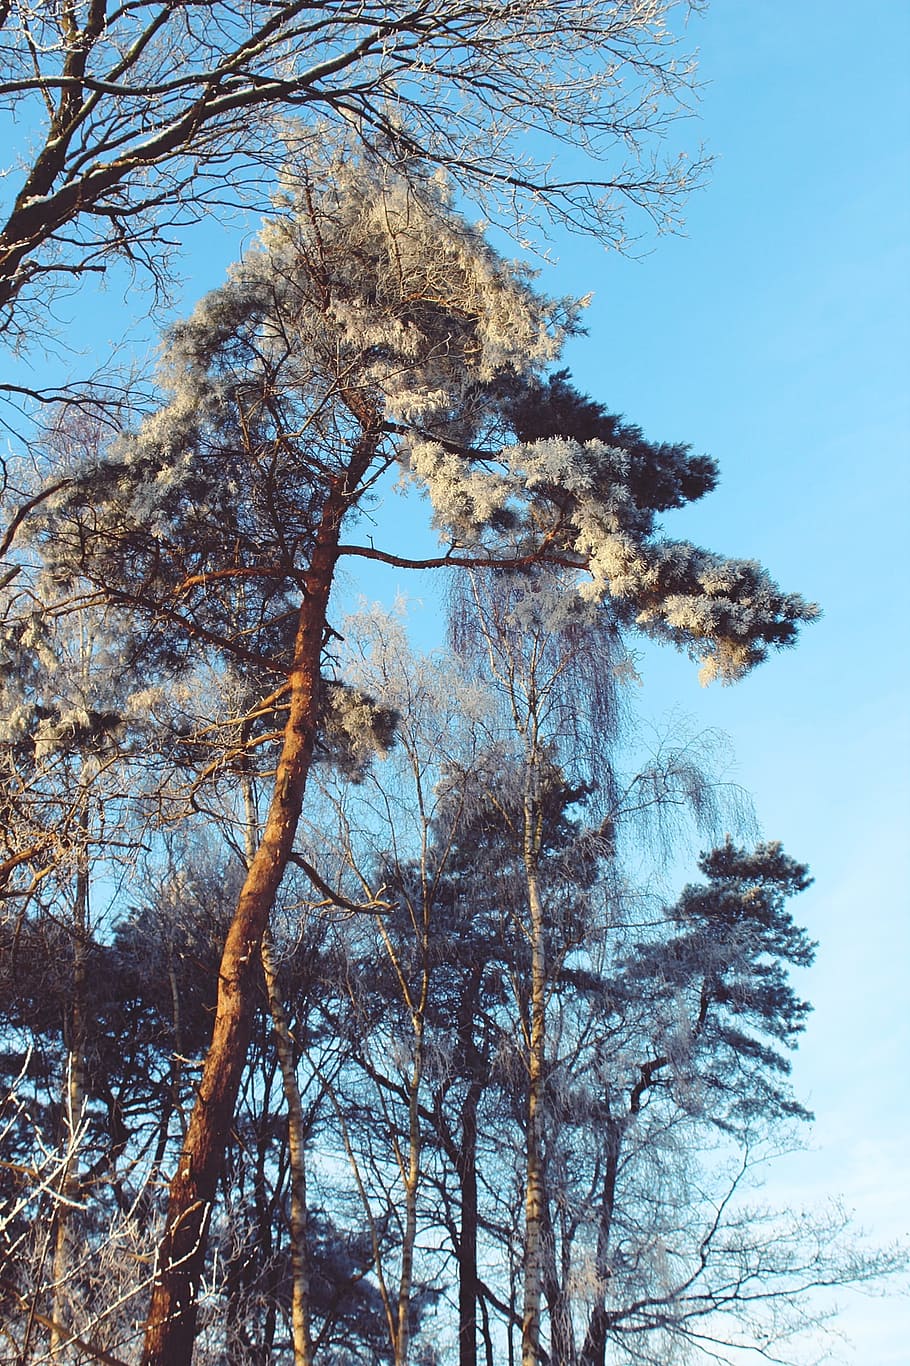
467,1246
171,1324
466,1166
594,1349
301,1339
411,1183
555,1281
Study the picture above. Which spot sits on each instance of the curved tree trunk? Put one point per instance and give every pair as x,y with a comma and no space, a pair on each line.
171,1324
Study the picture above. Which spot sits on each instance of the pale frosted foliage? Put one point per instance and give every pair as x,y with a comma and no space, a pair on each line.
370,317
53,734
71,686
15,722
368,282
355,729
367,310
579,468
148,701
553,606
423,692
410,294
463,498
727,612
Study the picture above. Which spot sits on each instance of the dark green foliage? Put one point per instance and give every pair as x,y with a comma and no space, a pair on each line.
660,475
727,959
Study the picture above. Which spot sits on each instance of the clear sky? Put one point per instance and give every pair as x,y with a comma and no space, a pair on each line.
776,336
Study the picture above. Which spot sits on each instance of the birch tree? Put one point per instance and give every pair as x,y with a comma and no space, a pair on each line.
392,838
553,660
369,327
533,638
664,1035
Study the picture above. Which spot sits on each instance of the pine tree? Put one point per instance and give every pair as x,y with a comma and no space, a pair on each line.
370,326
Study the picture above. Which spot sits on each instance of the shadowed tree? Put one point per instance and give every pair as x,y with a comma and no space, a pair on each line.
370,326
659,1024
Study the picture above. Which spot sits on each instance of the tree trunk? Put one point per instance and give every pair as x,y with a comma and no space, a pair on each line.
300,1272
466,1166
74,1098
467,1246
562,1340
411,1183
594,1350
485,1332
171,1324
284,1045
534,1191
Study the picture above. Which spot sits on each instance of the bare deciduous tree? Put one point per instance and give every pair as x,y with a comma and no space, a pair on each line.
138,119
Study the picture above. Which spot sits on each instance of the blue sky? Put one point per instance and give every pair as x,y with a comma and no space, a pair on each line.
774,335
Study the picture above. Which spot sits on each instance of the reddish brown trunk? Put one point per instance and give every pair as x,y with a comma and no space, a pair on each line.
171,1324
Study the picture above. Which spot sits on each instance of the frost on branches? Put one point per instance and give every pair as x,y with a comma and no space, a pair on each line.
371,325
